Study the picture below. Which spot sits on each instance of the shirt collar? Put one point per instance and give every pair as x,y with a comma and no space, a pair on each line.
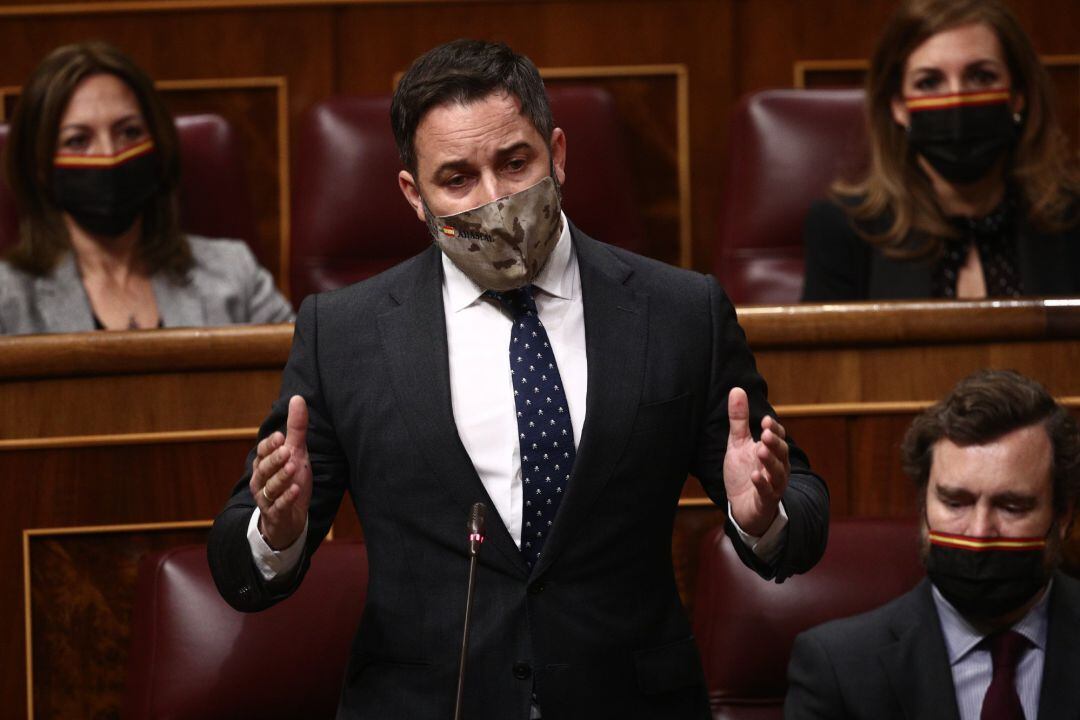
961,637
556,278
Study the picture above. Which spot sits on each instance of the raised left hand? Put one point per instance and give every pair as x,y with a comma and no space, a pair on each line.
755,472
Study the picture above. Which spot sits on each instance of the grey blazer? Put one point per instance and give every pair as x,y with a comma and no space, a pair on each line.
227,285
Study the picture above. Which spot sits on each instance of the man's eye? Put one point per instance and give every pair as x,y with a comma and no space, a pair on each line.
516,164
456,181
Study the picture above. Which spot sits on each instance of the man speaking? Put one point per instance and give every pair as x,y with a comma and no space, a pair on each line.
568,385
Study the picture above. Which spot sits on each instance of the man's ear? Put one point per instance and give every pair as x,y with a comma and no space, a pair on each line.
411,191
558,154
900,112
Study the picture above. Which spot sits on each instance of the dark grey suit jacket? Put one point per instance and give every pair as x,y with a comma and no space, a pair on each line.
597,629
892,663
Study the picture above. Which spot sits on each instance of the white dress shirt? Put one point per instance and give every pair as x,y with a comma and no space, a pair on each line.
482,395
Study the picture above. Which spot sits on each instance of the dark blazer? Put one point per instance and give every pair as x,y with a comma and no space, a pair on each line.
597,629
840,265
892,663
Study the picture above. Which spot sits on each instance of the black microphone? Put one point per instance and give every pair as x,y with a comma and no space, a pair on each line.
476,538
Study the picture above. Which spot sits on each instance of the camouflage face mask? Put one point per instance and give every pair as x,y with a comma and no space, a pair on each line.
504,244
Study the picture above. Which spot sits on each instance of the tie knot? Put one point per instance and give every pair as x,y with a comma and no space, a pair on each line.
1006,647
518,301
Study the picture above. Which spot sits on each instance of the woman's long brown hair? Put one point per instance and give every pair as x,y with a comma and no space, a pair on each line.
31,146
1041,169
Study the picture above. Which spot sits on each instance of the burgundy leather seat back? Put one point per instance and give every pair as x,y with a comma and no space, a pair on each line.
598,195
215,200
785,148
195,658
745,626
350,220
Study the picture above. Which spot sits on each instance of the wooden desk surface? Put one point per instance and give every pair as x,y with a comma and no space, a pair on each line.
112,444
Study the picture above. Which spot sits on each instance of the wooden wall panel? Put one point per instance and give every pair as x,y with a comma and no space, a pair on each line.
81,590
72,487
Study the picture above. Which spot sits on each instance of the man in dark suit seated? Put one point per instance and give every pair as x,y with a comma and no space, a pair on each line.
567,384
994,632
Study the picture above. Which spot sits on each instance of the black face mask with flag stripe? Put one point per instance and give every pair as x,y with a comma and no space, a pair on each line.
986,578
106,193
962,135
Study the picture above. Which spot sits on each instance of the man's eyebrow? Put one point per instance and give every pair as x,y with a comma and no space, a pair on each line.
947,491
1014,498
516,147
462,164
451,166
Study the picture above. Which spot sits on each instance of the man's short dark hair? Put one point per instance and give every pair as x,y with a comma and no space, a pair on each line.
464,71
985,406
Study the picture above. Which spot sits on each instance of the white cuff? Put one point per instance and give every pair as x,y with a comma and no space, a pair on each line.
768,546
273,563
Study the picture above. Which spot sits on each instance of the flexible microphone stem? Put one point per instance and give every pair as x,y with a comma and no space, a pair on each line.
476,538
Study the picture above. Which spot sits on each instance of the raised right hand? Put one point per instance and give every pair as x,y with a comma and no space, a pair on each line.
281,479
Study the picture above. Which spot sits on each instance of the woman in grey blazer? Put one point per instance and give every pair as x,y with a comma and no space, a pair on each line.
92,160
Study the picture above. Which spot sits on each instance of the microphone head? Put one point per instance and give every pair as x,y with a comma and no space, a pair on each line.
476,519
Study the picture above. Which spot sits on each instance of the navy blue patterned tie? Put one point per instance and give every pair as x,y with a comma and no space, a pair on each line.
543,415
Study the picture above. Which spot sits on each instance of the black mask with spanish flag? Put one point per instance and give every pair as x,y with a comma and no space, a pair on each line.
106,193
962,135
986,578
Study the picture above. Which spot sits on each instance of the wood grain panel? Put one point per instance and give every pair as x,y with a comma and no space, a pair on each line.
62,487
113,406
82,589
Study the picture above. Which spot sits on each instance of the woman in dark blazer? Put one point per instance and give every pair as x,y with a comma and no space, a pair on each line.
92,160
971,190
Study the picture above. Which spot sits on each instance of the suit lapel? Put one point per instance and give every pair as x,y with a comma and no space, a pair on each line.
615,335
1060,694
917,664
62,300
413,333
176,306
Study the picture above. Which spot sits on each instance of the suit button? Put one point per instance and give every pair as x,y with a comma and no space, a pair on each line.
536,588
522,670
